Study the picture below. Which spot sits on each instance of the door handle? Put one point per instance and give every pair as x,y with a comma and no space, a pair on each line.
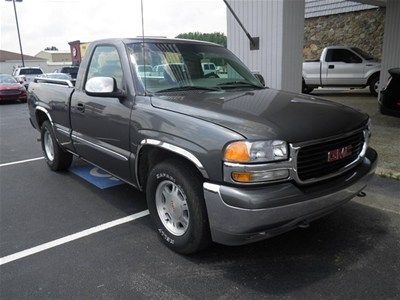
331,66
80,106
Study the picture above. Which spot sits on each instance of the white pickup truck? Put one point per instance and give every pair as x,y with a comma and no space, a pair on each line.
340,66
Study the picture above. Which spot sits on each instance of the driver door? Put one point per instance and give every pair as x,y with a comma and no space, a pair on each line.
101,124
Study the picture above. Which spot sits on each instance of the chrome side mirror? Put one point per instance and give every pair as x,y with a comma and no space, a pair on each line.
103,87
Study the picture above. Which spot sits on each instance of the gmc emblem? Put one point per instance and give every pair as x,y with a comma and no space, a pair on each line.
339,153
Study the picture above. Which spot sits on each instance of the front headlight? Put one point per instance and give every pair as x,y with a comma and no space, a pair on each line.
258,151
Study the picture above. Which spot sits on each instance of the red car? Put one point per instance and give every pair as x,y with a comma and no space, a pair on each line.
11,90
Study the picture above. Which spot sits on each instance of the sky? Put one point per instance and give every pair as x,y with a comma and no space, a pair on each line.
46,23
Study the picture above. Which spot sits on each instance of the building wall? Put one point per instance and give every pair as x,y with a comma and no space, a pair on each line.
391,43
363,29
279,24
317,8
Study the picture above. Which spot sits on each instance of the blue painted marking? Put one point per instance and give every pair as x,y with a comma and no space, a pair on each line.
96,176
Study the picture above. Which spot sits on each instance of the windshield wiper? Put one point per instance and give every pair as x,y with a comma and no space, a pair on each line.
188,88
239,84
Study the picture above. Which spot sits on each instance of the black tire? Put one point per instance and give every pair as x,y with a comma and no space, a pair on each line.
306,89
372,82
61,159
197,235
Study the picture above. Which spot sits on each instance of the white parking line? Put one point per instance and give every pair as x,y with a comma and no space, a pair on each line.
20,161
72,237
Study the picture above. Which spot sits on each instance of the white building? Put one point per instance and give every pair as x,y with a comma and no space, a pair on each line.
280,27
9,60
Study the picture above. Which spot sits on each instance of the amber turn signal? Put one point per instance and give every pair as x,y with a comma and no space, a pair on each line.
237,152
241,177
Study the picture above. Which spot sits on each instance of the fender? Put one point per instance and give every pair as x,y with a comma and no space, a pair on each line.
41,108
178,150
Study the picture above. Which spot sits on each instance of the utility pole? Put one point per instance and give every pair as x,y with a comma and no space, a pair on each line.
19,36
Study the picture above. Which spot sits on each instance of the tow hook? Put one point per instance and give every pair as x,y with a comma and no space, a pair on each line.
361,194
304,224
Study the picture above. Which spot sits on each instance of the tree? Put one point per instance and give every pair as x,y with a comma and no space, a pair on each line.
214,37
52,48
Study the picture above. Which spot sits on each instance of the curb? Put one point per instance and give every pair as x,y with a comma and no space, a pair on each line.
387,173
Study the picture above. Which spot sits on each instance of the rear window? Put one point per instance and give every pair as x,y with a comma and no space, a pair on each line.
69,70
30,71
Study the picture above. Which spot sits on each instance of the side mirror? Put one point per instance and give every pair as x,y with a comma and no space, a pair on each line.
103,87
260,78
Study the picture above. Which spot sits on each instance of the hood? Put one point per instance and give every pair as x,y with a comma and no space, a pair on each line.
9,86
266,113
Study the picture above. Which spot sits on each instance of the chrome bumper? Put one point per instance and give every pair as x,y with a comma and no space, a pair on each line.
244,215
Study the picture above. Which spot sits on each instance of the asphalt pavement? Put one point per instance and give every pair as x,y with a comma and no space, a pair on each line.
352,253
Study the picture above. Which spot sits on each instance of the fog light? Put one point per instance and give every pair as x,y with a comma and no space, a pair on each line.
260,176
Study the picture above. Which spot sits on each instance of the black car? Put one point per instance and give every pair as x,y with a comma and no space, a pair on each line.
71,71
389,100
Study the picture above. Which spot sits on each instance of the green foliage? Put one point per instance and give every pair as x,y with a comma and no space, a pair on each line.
214,37
52,48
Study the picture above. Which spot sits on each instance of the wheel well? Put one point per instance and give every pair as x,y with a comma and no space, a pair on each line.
149,156
373,76
41,117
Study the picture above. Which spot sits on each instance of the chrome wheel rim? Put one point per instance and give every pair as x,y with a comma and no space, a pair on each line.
376,86
48,145
172,207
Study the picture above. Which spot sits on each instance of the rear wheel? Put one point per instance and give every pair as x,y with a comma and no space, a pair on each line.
305,89
57,159
176,203
374,85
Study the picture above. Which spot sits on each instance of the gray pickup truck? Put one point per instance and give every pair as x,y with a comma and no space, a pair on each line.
221,158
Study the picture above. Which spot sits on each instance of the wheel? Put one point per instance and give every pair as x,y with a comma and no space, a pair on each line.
306,89
374,85
57,159
176,203
382,109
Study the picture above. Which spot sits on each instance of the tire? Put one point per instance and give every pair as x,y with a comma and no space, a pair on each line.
162,180
374,85
57,159
306,89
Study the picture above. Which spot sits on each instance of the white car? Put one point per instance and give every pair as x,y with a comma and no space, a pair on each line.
209,68
25,75
341,66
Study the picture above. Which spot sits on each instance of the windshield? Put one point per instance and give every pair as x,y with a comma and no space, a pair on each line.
362,53
30,71
7,79
169,66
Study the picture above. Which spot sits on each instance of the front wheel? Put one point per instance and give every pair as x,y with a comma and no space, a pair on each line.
176,203
374,86
57,159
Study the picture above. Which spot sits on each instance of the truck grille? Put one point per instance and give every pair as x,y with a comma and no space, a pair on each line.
313,162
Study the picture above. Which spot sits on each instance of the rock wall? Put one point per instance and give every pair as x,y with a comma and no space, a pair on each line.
362,29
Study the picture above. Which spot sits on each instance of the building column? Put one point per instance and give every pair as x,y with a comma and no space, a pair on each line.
391,40
280,26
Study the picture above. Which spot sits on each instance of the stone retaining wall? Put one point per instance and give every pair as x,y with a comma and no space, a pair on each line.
362,29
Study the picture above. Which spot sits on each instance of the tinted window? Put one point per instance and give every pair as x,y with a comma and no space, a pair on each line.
106,63
363,53
342,55
206,67
212,67
30,72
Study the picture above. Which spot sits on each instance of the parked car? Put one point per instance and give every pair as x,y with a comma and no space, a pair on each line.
11,89
209,68
221,159
25,75
339,66
70,70
55,76
389,97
